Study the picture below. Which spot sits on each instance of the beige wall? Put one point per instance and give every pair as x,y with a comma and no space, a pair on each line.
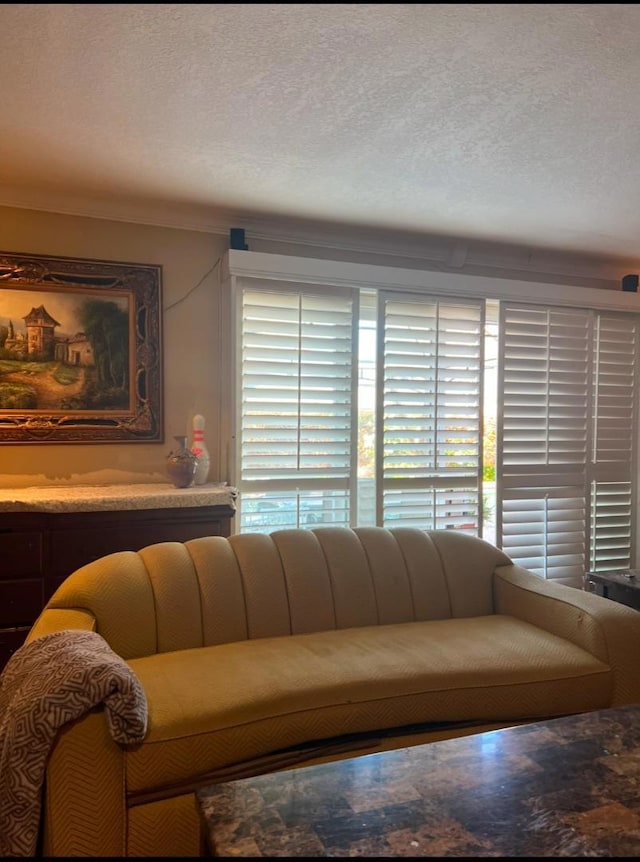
190,323
189,343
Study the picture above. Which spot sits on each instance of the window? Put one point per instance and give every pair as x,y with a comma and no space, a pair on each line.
428,415
297,412
360,397
566,471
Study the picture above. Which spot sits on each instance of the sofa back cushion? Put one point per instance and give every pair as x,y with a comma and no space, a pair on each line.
212,590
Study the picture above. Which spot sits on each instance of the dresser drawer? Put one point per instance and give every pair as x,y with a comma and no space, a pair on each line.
20,554
71,549
10,640
38,550
20,602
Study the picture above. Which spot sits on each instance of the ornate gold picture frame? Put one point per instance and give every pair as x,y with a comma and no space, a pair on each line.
80,350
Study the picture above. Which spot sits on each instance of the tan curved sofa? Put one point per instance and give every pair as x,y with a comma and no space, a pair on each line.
260,651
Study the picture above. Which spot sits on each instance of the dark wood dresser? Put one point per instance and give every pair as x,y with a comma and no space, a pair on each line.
48,533
622,586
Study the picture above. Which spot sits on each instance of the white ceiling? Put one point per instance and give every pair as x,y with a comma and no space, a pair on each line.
504,122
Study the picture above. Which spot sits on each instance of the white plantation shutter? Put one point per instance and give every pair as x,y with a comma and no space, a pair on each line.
542,448
565,439
297,407
614,435
429,453
566,420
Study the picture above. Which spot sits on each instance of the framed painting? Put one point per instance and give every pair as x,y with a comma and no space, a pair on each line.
80,351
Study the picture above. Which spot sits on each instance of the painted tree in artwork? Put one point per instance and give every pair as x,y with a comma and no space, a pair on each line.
107,328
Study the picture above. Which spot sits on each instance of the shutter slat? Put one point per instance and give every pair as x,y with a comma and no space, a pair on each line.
430,366
568,394
296,407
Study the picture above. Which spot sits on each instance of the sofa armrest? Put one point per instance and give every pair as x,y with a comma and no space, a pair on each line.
84,804
604,628
58,619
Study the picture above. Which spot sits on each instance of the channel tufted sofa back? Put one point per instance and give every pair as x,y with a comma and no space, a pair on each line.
259,652
173,596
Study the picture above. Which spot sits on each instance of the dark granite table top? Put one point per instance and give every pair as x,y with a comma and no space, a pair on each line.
565,787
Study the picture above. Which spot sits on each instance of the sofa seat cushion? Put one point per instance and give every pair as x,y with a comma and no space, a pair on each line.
218,705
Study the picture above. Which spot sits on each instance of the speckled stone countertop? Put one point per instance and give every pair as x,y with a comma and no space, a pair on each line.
102,498
565,787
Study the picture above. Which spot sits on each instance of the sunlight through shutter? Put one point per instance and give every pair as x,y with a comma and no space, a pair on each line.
566,450
614,424
298,355
429,456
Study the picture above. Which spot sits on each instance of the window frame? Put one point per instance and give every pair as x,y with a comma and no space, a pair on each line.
238,267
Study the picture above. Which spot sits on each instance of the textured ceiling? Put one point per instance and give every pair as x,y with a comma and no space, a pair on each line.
505,122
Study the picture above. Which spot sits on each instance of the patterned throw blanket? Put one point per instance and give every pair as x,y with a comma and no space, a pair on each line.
45,684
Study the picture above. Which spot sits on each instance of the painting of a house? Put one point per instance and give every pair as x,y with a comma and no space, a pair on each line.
40,332
15,342
72,352
76,350
80,350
